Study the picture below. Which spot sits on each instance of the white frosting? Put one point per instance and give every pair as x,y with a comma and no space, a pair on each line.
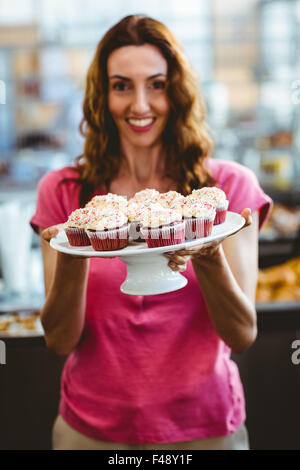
109,200
108,220
169,198
178,204
213,195
134,210
81,217
156,216
199,209
146,195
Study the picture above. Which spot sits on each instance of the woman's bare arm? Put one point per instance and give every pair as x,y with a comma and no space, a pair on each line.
228,281
65,278
241,252
227,275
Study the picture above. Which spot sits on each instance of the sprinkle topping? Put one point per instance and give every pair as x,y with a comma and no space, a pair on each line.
109,200
81,217
108,220
214,195
156,215
167,199
196,208
145,195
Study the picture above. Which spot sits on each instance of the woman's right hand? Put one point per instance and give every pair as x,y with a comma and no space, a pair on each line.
51,232
65,278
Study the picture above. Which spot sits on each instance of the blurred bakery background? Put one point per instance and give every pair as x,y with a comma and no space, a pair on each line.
247,55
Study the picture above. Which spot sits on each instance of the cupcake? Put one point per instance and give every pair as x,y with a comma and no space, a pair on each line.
109,231
214,196
134,212
199,218
178,204
162,227
145,195
170,198
108,201
76,225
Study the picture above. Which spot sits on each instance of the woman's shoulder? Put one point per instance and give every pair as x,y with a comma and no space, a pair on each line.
55,177
60,173
55,201
241,186
224,170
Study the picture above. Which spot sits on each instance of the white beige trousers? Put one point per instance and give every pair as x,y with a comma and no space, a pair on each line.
66,438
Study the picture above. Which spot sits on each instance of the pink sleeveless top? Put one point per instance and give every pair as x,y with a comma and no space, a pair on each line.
151,369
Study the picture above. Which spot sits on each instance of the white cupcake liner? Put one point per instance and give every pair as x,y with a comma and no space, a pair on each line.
109,240
198,227
112,233
164,236
77,236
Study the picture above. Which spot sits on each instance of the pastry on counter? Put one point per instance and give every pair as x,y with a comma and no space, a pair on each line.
19,324
279,283
284,222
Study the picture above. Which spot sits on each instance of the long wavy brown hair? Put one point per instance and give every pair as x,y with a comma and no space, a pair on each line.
185,138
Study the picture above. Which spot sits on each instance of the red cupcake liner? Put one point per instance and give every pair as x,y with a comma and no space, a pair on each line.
135,232
172,234
109,240
77,236
220,216
198,228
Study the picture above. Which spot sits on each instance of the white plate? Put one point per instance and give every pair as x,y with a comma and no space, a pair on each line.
232,224
148,272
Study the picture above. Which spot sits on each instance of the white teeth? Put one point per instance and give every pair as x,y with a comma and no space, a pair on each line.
140,122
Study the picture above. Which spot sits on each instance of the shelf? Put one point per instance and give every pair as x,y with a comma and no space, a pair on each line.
277,247
278,316
274,307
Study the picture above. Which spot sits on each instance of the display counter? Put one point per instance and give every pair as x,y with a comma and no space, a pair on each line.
29,394
271,380
30,382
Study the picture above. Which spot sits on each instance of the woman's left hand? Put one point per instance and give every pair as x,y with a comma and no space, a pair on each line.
179,259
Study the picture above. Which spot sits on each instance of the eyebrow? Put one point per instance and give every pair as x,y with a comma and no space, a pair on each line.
129,79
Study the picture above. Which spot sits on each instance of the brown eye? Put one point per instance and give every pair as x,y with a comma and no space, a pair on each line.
119,86
158,85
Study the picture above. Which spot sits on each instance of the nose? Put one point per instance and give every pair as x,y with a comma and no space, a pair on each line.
140,104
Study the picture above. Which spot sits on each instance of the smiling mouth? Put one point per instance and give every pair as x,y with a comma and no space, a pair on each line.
141,123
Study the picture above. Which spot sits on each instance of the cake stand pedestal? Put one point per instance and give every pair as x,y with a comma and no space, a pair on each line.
149,274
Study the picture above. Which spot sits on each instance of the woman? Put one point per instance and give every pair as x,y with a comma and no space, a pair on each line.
148,371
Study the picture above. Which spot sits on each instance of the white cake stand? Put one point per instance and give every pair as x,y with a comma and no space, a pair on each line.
148,272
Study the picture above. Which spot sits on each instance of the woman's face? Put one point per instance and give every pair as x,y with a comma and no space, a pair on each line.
137,97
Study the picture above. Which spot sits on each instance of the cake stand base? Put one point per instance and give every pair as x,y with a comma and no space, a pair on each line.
149,274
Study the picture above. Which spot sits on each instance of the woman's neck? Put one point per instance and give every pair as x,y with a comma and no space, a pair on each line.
142,166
